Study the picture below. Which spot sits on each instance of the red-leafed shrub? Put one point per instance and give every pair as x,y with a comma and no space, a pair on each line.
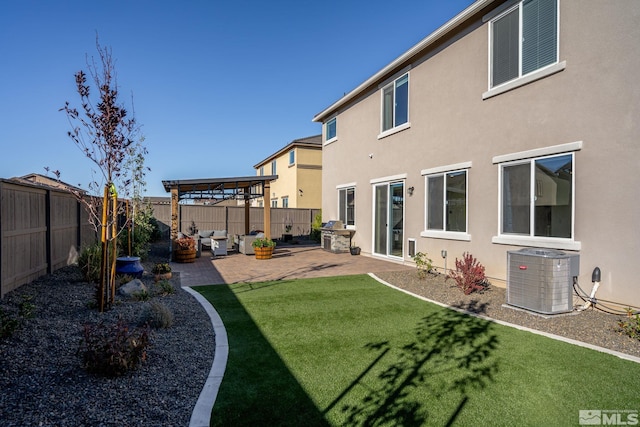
469,274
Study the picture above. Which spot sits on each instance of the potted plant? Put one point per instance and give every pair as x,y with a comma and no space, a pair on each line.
263,247
185,249
161,271
287,236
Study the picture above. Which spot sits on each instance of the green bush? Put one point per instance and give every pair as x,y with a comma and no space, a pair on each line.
113,350
630,326
144,229
166,288
8,324
89,262
157,315
11,319
316,234
423,263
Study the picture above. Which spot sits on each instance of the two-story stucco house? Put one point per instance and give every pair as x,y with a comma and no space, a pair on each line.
298,166
516,124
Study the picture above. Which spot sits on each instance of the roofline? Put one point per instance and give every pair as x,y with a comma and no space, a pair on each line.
248,180
294,143
444,30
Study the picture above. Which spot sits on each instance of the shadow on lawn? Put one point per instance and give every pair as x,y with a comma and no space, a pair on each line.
451,353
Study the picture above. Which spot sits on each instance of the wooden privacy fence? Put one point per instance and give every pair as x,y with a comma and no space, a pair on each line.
231,218
41,230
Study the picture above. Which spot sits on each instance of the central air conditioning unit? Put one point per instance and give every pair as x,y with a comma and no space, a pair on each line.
541,280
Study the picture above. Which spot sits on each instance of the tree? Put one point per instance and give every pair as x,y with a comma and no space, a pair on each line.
105,132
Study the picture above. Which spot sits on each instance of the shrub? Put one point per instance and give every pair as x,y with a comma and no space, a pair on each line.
141,295
113,350
423,263
161,268
89,262
10,322
166,288
469,274
263,242
316,233
157,315
630,326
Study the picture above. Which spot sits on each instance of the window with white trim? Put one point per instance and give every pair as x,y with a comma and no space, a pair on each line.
447,201
274,203
292,157
331,130
347,206
523,39
537,197
261,170
285,202
395,103
273,168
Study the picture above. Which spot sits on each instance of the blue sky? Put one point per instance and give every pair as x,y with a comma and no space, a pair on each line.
217,86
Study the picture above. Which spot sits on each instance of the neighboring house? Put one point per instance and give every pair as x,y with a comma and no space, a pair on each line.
299,169
36,178
515,124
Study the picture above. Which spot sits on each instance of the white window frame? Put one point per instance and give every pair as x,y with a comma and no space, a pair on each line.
261,171
274,170
292,157
326,131
521,79
274,203
444,234
531,240
285,201
395,127
347,187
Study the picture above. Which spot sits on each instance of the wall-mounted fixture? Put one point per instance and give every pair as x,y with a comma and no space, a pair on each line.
443,253
410,190
371,155
300,191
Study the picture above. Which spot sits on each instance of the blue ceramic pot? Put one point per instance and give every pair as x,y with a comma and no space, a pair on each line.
129,265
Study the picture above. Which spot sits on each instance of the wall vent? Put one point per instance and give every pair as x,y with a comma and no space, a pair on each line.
541,280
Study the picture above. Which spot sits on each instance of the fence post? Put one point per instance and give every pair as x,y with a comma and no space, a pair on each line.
47,210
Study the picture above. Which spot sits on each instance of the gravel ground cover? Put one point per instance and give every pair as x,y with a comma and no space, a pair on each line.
41,379
590,326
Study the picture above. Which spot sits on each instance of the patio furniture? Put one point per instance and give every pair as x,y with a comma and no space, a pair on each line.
245,241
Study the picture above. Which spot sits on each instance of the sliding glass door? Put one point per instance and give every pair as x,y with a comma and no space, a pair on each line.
388,233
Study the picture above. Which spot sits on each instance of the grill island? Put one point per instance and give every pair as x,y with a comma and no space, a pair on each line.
336,238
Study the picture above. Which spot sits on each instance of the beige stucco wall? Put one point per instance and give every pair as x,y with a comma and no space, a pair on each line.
595,99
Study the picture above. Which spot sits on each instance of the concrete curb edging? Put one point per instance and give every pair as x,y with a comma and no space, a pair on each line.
512,325
201,415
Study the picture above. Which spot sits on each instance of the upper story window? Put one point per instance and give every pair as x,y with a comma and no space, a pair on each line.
273,168
274,203
395,103
523,39
292,157
331,130
347,206
285,202
261,171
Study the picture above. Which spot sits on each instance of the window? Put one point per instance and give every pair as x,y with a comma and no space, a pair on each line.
395,103
261,170
330,130
537,197
447,201
274,203
292,157
285,202
273,168
523,40
347,206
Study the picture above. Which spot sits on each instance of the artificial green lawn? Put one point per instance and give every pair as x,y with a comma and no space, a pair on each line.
350,351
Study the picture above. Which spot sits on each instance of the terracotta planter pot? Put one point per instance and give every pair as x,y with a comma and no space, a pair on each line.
263,253
162,276
185,255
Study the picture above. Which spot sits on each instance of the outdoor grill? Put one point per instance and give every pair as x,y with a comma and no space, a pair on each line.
336,238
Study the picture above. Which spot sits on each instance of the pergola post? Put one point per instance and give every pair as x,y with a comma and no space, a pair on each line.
247,211
174,215
267,209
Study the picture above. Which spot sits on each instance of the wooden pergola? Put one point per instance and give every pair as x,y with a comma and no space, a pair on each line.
219,189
